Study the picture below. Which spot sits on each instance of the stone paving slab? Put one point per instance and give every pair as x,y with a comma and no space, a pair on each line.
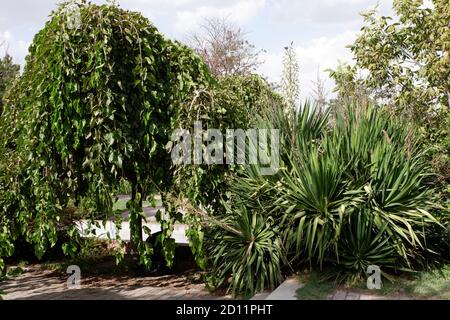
108,231
286,291
261,295
355,295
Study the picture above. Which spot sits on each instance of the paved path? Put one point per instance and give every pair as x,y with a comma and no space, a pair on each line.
355,295
40,284
109,230
287,291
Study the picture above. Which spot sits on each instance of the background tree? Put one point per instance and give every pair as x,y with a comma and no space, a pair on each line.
8,72
225,48
349,87
408,60
406,66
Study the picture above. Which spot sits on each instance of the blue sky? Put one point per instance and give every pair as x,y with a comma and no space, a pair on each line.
320,29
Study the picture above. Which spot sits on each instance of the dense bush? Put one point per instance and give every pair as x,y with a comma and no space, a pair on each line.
351,194
231,102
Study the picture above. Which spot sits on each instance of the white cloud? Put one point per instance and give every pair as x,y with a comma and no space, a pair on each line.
162,4
188,14
325,11
315,55
239,12
25,12
18,49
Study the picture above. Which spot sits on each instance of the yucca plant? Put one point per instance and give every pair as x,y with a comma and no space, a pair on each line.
246,255
379,155
352,195
298,134
369,160
357,133
400,199
363,244
300,130
315,198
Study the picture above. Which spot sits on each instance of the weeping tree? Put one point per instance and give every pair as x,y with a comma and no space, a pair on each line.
95,104
8,71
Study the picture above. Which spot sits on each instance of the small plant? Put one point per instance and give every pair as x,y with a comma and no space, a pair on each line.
246,255
362,245
14,272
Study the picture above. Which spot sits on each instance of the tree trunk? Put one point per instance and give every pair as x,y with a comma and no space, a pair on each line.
448,99
139,220
134,190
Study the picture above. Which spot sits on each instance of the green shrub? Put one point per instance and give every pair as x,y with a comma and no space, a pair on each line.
230,103
246,253
353,193
363,244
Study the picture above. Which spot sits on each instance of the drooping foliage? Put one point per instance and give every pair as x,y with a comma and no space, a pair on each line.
8,72
94,105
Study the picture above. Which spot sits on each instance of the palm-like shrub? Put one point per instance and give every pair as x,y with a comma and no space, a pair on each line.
363,244
246,252
383,158
353,194
398,197
313,196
